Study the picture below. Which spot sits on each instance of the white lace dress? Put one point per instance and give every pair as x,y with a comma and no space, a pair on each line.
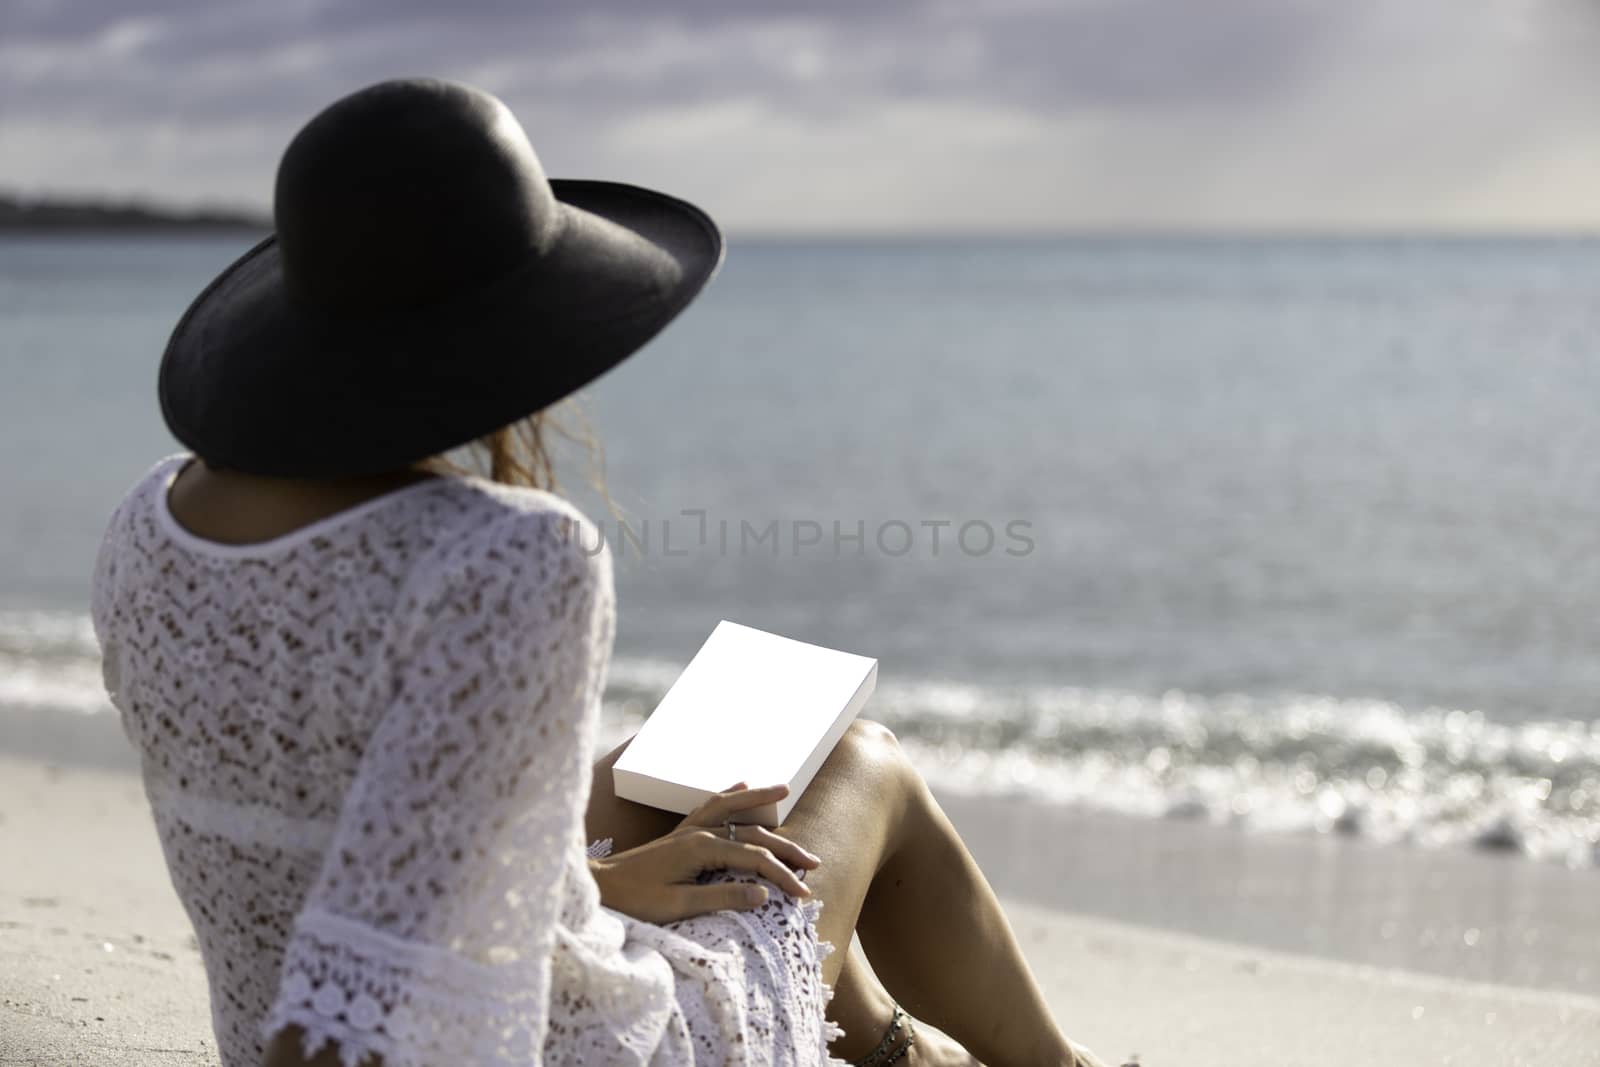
368,748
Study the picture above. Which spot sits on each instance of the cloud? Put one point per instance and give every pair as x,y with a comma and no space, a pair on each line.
842,114
612,53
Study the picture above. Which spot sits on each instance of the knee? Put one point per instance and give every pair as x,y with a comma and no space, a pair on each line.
871,739
602,766
871,758
870,745
871,734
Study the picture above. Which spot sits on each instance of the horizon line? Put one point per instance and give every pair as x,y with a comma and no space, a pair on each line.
254,219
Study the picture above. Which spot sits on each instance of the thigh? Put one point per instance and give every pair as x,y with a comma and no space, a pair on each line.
629,825
851,816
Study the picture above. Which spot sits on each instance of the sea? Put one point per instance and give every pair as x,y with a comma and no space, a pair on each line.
1297,535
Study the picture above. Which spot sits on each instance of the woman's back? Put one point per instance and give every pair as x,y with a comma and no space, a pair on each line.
367,745
320,719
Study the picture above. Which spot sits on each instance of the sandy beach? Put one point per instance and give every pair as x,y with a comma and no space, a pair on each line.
97,964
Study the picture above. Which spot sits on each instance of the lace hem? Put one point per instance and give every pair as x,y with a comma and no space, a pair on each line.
412,1004
810,912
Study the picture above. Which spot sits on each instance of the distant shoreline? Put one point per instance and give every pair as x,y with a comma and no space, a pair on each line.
59,215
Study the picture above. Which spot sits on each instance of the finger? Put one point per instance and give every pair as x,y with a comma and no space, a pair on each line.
791,852
692,900
716,809
736,855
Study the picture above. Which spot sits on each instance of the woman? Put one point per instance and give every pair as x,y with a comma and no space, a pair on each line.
364,685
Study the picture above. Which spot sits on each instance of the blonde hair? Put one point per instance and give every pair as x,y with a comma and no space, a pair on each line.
521,454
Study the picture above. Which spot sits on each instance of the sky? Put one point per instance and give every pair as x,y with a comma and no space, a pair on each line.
866,115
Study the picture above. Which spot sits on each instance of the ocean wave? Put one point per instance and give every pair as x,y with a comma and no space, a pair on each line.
1306,763
1428,776
46,635
50,660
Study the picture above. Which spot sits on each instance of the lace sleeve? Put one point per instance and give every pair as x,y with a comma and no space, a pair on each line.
427,936
102,602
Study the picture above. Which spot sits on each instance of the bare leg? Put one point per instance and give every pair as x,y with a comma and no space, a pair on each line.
895,870
860,1004
883,842
865,1009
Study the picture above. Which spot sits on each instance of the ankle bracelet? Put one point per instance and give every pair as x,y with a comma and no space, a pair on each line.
883,1056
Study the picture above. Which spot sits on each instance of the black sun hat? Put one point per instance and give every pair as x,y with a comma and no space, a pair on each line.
426,285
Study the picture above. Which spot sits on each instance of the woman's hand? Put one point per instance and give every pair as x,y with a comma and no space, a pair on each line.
656,881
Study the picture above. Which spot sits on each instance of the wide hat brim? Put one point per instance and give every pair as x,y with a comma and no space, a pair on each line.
257,381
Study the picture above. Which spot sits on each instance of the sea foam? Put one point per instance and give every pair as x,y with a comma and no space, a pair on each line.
1291,762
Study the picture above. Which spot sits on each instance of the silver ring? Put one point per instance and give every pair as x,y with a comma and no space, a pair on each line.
729,825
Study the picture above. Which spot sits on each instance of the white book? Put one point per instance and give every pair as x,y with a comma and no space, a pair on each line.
751,707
